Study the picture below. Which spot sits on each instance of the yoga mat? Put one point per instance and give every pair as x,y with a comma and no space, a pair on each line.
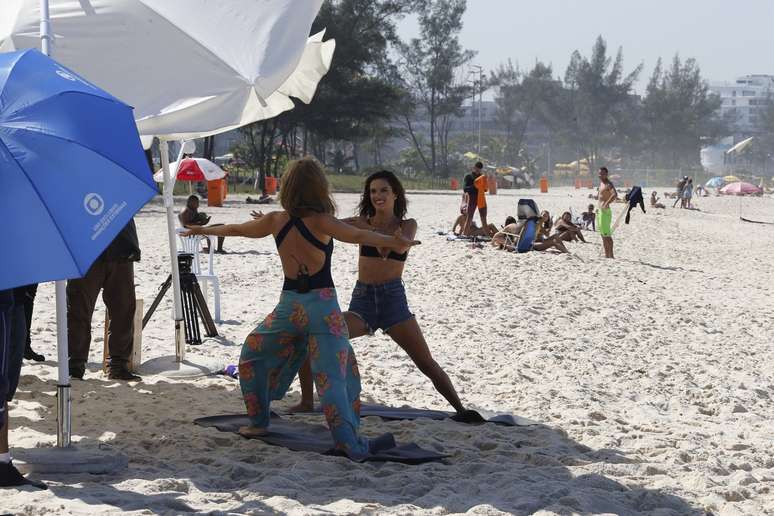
298,436
469,416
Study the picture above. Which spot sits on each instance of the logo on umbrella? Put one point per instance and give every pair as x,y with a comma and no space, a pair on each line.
65,75
93,204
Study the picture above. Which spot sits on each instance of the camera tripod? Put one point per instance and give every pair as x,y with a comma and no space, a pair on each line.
194,304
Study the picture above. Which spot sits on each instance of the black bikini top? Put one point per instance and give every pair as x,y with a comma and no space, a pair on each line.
321,278
372,252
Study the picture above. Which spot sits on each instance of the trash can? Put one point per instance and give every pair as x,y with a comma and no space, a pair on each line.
271,185
216,192
491,184
455,184
543,184
577,183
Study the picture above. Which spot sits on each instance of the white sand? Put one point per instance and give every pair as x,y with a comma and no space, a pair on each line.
652,377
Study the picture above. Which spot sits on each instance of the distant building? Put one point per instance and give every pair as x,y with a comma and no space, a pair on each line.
744,100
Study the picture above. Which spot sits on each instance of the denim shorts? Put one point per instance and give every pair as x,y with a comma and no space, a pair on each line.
380,306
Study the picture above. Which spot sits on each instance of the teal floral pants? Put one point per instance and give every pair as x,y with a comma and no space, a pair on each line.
305,324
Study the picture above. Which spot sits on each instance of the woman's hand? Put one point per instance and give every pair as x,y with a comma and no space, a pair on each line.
401,242
256,214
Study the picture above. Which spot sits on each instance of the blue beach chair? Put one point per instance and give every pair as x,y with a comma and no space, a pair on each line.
527,211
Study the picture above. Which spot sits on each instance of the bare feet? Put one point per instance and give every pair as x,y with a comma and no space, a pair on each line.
252,431
303,406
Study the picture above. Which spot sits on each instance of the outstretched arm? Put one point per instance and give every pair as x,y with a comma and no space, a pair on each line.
257,228
352,235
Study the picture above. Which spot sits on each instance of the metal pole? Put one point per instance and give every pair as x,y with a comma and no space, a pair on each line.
169,204
45,28
64,400
480,101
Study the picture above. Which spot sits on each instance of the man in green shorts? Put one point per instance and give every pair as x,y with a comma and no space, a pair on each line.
607,194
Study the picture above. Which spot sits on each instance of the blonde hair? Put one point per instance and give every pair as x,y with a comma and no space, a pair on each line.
304,189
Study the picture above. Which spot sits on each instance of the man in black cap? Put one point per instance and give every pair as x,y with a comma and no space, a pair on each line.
113,273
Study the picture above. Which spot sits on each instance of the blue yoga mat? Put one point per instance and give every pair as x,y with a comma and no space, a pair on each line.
299,436
469,416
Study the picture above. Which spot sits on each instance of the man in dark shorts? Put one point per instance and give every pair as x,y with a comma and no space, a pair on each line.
469,187
12,321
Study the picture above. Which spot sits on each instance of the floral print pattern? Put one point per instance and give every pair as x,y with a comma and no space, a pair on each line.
252,404
336,324
309,324
299,318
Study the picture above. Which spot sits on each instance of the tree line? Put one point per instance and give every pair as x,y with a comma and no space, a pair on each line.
381,90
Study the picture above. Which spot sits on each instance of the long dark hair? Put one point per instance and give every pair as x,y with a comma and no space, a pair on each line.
304,189
366,208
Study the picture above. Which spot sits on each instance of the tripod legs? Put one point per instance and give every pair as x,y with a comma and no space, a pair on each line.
194,305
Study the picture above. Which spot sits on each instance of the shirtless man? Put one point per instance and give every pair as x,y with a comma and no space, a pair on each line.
607,195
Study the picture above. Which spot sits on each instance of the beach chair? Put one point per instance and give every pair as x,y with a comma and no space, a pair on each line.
527,211
191,245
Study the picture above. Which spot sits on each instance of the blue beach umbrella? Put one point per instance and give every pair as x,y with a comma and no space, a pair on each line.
715,182
72,170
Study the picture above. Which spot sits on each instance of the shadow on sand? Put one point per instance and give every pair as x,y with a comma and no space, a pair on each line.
177,467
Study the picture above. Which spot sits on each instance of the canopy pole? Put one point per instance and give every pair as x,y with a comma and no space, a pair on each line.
169,204
45,28
64,399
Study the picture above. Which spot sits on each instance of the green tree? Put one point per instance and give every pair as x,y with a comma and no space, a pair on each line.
597,95
355,99
681,113
522,99
427,70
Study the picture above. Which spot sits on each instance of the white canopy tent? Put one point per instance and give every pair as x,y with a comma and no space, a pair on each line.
190,68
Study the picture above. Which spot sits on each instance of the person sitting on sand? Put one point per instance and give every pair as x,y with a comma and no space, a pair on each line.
589,218
191,217
474,230
263,199
307,322
543,241
509,234
567,230
654,201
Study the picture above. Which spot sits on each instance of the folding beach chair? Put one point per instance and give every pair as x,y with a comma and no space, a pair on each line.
527,211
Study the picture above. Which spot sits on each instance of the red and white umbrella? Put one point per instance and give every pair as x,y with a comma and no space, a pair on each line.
193,169
740,188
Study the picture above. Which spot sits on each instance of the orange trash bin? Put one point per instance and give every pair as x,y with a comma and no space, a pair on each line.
216,192
271,185
577,183
454,184
491,181
543,184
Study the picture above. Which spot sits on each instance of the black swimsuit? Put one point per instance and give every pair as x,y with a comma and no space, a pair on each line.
321,278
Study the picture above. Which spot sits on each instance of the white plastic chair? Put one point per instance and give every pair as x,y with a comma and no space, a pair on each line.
191,245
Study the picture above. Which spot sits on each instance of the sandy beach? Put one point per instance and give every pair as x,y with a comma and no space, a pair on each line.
651,377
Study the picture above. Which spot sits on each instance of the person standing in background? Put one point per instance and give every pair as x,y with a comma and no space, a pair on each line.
469,187
30,291
113,274
481,187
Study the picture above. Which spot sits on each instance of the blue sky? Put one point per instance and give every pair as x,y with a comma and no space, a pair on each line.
727,38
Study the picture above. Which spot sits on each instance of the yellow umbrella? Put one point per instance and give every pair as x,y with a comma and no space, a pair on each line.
471,155
731,179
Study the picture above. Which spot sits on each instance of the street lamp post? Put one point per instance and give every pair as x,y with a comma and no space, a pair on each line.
480,83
